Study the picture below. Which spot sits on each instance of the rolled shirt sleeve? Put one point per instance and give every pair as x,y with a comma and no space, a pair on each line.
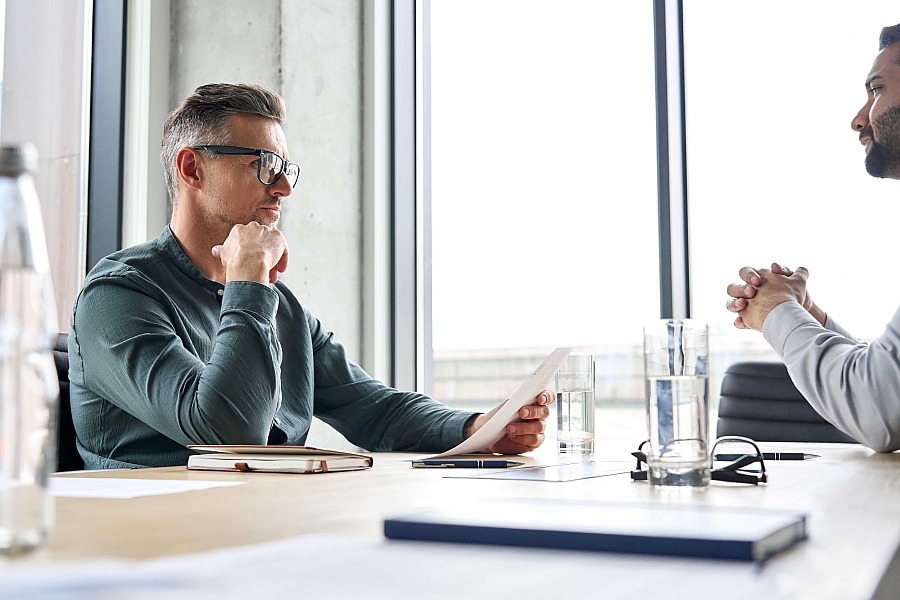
853,385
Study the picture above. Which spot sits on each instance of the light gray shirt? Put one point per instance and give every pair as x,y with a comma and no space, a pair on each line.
852,384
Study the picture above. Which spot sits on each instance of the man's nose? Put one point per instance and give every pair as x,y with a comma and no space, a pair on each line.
861,120
282,187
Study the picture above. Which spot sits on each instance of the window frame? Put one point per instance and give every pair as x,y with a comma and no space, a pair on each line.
411,268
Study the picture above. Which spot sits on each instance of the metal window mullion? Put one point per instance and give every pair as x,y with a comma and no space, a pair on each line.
403,205
107,130
674,255
425,345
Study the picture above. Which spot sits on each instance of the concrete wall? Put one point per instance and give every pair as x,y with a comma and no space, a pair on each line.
310,52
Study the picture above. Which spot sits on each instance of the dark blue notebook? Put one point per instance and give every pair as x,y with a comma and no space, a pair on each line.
669,529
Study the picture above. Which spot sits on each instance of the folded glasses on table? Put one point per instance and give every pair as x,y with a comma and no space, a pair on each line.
737,471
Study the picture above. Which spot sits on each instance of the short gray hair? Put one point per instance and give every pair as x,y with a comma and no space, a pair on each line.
202,119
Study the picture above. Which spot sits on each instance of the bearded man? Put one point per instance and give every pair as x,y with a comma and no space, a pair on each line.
852,384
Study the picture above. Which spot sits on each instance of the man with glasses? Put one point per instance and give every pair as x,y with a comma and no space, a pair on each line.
191,339
854,385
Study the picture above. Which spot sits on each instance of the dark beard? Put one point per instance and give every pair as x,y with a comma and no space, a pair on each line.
883,159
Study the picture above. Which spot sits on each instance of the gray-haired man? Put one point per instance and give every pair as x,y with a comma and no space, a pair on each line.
191,339
854,385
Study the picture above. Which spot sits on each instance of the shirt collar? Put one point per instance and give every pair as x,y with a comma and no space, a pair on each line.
170,246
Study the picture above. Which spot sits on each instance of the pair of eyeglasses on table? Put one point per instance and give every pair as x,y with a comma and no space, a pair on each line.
737,471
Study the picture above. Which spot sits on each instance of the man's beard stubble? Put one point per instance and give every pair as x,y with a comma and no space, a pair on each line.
883,159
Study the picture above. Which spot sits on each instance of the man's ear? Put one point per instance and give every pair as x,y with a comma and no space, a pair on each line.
190,171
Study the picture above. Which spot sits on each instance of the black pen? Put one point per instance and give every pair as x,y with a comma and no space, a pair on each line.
466,464
771,456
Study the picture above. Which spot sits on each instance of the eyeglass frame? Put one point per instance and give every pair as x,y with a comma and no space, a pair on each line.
734,472
241,151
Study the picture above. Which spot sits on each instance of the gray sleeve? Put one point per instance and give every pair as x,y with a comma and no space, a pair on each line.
855,386
834,326
133,357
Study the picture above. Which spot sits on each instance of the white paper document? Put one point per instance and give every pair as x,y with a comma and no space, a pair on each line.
85,487
495,428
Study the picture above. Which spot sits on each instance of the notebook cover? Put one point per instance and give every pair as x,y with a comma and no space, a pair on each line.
264,449
675,530
272,463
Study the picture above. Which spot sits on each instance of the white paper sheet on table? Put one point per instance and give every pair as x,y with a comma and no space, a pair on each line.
97,487
495,428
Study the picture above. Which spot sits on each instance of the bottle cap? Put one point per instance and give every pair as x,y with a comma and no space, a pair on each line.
15,160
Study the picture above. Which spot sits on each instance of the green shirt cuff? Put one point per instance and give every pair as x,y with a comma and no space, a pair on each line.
250,296
453,429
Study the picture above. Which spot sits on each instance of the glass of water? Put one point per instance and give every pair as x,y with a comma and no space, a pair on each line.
676,354
575,404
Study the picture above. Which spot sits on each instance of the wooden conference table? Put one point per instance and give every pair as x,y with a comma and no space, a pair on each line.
851,494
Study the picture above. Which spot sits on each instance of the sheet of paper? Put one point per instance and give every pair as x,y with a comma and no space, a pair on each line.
96,487
563,472
346,567
495,428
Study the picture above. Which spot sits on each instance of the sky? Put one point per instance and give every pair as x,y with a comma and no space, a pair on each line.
544,166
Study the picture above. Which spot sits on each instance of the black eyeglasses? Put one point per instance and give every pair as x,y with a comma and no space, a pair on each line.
270,166
734,472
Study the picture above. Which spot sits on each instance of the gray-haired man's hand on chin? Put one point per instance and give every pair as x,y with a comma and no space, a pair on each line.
253,252
761,290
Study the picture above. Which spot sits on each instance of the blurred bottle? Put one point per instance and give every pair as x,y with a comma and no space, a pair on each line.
29,388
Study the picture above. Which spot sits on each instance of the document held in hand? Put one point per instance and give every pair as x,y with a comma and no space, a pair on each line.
275,459
494,430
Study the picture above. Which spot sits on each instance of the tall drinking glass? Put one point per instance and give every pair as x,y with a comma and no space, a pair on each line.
575,404
676,354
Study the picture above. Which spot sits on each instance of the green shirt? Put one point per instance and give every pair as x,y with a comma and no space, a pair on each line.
161,357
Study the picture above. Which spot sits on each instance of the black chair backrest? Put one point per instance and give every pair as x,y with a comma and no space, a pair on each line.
67,455
759,401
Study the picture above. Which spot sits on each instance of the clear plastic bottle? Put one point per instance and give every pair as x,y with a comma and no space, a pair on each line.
29,388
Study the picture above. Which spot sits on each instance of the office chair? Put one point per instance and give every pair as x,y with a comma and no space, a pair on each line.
759,401
67,455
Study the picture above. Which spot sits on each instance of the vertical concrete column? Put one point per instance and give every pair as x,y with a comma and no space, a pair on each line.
231,41
322,84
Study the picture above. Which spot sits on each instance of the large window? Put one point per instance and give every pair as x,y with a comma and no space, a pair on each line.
543,180
543,197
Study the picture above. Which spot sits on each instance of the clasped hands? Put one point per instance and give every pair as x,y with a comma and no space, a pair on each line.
761,290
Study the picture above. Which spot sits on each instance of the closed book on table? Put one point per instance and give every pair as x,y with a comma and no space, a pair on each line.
677,530
275,459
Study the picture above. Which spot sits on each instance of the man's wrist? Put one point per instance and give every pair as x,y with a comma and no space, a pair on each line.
256,273
818,314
